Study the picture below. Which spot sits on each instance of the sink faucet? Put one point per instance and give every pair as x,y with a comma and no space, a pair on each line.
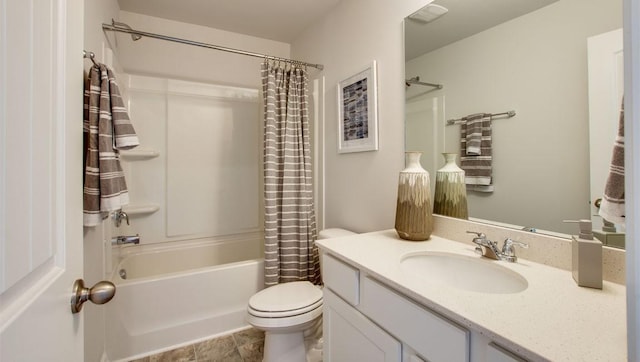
122,240
489,249
486,247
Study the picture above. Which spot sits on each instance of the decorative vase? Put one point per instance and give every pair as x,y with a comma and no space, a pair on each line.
450,198
413,209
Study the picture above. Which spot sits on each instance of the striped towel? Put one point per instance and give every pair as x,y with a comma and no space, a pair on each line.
107,129
476,152
613,204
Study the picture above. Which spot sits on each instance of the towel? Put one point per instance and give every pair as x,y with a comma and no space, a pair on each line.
613,204
476,152
107,129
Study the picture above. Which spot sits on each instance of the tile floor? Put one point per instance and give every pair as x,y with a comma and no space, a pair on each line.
243,346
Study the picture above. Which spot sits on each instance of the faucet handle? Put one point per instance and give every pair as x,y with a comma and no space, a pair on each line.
509,252
480,235
119,215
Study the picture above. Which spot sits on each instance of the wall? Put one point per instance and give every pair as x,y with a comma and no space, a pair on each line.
358,190
541,156
96,238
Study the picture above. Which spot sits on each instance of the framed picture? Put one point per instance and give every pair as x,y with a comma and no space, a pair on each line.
358,112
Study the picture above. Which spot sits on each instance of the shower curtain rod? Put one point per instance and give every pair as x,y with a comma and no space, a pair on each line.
416,80
126,29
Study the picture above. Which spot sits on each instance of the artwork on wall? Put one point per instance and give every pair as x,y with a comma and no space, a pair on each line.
358,112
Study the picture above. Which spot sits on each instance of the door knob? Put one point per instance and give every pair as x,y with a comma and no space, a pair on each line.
100,293
597,202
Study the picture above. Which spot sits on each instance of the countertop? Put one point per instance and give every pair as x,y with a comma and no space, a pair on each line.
553,319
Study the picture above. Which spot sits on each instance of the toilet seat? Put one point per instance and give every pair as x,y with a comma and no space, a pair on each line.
285,300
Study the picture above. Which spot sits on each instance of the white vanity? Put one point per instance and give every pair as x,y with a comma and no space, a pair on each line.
378,307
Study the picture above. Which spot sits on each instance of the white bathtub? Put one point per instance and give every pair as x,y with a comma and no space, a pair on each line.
179,293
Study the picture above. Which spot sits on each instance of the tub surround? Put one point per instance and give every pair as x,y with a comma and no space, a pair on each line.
553,319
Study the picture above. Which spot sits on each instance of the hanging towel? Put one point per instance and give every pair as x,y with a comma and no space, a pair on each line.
107,129
476,152
613,204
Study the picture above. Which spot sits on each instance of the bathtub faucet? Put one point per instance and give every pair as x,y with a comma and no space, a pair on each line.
123,239
120,215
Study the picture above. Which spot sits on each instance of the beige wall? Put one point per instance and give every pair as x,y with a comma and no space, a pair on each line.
536,65
360,188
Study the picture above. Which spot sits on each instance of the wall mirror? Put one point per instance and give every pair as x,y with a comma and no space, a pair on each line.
531,57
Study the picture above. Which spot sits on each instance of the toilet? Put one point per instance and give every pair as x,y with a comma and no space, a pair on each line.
286,311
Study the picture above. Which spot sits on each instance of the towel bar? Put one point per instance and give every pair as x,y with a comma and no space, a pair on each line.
509,114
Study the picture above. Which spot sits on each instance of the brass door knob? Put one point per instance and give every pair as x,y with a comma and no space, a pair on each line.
597,202
100,293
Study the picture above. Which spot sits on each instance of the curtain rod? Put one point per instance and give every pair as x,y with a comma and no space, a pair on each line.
416,80
133,32
509,114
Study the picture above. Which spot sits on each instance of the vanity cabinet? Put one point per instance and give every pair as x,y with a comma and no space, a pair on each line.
352,336
366,320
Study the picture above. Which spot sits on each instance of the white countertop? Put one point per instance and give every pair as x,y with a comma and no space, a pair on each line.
552,319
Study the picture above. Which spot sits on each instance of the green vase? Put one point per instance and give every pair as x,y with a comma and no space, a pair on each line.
450,197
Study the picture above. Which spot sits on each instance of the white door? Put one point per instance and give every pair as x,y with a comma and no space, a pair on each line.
40,178
606,85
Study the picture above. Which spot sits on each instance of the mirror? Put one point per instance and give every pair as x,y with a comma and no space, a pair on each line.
526,56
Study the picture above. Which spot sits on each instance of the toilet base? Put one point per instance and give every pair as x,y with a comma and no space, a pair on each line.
284,347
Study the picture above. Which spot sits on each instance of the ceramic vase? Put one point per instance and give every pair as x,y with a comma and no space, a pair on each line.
414,220
450,197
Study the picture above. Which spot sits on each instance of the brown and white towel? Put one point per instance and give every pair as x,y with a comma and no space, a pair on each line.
107,129
612,207
476,152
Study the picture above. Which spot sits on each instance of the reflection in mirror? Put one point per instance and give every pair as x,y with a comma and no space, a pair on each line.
497,58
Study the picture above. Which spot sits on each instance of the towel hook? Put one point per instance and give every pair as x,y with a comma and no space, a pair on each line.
91,56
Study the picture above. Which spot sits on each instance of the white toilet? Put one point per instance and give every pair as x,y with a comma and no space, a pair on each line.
285,311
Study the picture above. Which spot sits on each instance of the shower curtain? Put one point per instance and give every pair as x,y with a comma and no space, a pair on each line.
290,226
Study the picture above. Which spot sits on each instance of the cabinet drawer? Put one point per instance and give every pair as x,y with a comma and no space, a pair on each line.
496,353
341,278
430,335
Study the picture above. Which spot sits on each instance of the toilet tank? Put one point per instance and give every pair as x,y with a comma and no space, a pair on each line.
334,233
330,234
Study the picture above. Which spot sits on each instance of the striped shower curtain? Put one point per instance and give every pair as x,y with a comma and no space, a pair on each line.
290,225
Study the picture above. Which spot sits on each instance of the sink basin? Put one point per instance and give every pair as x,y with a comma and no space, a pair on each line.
474,274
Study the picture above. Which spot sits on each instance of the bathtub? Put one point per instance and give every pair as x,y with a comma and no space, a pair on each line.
179,293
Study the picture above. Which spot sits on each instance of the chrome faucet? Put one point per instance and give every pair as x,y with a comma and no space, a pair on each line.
489,249
122,240
486,247
509,252
120,215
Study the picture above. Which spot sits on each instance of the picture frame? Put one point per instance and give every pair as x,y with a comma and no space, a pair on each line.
358,112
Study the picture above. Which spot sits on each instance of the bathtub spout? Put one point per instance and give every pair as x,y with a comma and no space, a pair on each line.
121,240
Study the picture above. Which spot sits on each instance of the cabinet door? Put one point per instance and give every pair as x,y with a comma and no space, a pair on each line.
350,336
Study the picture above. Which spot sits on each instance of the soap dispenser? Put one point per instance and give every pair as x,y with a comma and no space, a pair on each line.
609,235
586,256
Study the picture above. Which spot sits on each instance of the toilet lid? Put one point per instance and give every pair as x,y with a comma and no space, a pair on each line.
285,299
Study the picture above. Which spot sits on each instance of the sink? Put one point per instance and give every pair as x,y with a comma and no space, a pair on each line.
474,274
